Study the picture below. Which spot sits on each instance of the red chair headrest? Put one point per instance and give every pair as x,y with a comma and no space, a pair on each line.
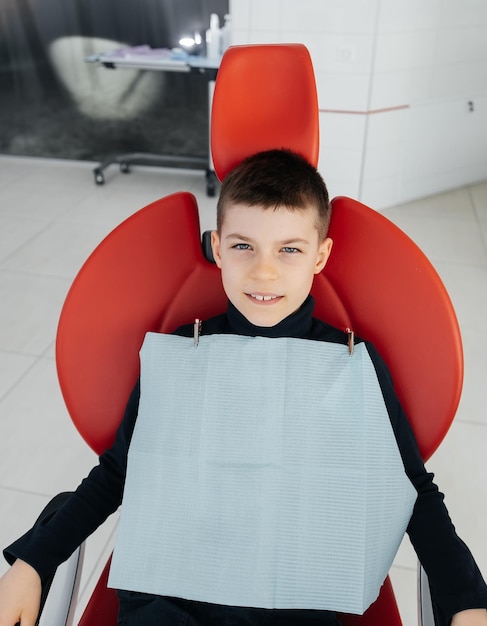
265,97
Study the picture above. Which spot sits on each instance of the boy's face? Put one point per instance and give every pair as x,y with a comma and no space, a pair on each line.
268,259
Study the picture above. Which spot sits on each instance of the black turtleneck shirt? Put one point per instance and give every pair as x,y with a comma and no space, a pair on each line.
455,580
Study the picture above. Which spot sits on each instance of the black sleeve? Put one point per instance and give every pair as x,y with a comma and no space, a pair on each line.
51,542
454,577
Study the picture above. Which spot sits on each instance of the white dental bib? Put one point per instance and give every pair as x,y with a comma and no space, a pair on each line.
262,473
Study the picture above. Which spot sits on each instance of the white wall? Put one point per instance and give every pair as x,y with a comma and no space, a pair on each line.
394,81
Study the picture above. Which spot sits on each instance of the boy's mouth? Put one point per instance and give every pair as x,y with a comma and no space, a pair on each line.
260,297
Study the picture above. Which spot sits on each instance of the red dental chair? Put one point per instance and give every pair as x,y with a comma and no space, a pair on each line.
377,282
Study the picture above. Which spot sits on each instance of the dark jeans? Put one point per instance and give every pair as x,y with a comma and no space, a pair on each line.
140,609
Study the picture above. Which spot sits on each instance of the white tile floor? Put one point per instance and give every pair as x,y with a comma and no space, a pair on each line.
51,217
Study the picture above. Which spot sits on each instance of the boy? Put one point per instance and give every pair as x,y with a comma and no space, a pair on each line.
271,239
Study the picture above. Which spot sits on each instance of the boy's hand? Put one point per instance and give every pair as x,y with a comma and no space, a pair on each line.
20,595
471,617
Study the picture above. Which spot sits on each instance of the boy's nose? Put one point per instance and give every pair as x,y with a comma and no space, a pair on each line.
264,268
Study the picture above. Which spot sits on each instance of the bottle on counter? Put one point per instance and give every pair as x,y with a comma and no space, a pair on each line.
213,37
226,32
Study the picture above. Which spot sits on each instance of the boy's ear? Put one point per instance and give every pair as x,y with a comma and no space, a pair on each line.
323,255
215,246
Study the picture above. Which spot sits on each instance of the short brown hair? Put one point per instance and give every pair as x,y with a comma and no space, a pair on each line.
275,179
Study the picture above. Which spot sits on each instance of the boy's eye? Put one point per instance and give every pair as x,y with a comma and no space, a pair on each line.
290,250
241,246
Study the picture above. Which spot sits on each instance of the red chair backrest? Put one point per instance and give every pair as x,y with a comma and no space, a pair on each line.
390,294
377,281
137,279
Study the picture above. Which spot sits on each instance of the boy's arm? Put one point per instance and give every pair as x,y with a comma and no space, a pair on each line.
20,595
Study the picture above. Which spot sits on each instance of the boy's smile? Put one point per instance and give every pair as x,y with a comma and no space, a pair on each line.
268,258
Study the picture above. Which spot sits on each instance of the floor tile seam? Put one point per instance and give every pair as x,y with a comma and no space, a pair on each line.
410,222
38,274
475,328
91,212
24,219
443,266
433,256
45,354
471,422
483,233
402,567
480,222
42,162
55,185
11,352
44,173
67,220
415,204
432,207
450,264
42,353
472,199
470,328
26,492
68,192
441,219
456,189
26,243
123,196
37,358
436,261
58,203
101,222
7,185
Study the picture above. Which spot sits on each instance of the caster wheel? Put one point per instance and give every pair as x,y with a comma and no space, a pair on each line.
124,167
99,178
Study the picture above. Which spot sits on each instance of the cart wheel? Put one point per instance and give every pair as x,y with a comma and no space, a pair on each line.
124,167
99,178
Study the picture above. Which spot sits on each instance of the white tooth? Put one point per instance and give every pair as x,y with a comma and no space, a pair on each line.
263,298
